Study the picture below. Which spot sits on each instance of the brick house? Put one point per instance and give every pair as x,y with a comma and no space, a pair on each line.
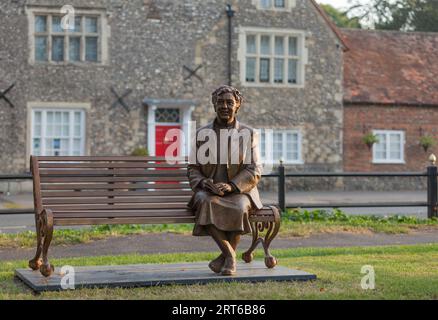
391,90
165,57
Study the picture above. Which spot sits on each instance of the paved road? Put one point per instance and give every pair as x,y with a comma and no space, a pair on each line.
17,223
168,242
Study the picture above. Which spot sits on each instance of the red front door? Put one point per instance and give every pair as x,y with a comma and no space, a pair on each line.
161,144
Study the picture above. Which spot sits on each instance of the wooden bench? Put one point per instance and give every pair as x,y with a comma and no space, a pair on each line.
121,190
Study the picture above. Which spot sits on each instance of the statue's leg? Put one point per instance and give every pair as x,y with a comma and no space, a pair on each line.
221,240
217,264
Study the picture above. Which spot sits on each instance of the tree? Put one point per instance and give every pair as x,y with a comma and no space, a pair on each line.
405,15
340,18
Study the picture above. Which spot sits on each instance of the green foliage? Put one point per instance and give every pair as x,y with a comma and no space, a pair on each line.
404,15
369,139
337,215
140,152
427,141
340,18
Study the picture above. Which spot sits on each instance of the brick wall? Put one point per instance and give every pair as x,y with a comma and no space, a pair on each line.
414,121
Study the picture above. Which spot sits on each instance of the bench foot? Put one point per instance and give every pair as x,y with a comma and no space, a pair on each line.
35,264
271,228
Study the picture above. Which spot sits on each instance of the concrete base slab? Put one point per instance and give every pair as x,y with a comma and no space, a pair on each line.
144,275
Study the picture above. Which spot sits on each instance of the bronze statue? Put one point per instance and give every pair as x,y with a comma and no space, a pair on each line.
225,193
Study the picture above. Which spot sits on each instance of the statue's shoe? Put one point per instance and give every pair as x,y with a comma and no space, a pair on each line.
217,264
229,268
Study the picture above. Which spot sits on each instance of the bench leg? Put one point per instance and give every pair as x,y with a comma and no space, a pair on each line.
36,262
46,268
258,227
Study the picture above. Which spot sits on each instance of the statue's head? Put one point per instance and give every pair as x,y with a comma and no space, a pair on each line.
226,101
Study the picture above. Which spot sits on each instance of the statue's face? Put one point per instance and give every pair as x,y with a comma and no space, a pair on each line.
226,108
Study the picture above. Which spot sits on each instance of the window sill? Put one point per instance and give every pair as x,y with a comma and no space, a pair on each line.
389,162
284,163
272,85
63,64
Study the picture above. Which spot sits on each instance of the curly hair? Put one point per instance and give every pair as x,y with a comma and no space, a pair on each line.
226,89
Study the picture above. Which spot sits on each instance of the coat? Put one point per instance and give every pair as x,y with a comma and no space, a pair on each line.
243,175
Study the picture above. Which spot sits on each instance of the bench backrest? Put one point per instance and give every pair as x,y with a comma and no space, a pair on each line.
110,186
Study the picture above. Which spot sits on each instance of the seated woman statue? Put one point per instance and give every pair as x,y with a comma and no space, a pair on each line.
224,178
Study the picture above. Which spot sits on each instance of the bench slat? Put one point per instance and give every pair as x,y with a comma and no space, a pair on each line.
59,207
137,220
113,179
75,186
109,172
89,165
122,214
154,199
87,193
107,158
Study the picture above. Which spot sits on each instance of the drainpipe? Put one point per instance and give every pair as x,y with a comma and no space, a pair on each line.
230,15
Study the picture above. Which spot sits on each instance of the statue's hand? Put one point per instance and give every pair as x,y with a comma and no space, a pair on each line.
208,185
224,187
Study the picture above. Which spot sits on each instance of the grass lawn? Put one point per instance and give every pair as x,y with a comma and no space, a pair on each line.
295,223
401,272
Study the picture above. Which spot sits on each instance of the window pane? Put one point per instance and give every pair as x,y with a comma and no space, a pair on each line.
278,146
279,70
57,48
279,46
250,69
265,46
77,118
75,49
265,4
251,44
292,146
78,21
293,46
264,70
56,24
37,118
167,115
41,48
40,23
292,71
262,145
90,24
380,147
37,146
395,151
91,48
279,3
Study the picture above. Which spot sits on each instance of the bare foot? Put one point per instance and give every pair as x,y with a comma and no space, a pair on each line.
217,264
229,268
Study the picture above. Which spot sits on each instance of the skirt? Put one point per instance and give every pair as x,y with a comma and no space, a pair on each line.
227,213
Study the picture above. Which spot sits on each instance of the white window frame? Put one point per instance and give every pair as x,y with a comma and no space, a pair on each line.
288,5
301,57
49,12
387,160
54,106
269,136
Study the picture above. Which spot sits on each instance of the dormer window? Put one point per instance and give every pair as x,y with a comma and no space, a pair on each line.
275,4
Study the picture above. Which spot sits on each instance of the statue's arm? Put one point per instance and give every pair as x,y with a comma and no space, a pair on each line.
194,172
195,176
251,173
